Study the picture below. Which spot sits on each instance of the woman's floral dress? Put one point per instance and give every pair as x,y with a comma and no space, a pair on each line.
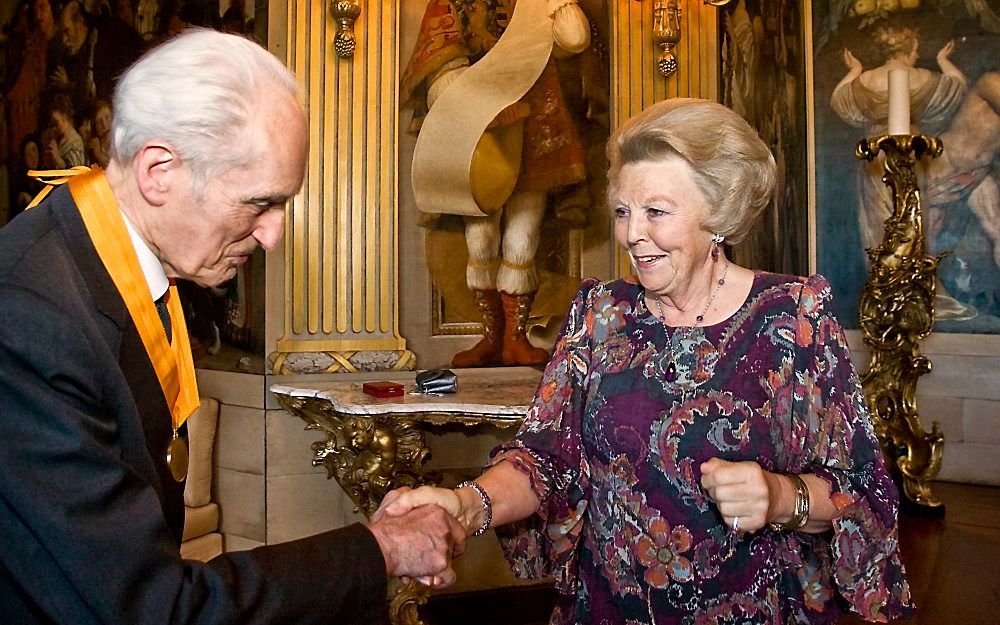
612,445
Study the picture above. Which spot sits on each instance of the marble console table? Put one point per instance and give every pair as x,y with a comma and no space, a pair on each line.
374,445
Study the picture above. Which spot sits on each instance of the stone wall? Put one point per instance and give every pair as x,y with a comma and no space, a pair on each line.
962,393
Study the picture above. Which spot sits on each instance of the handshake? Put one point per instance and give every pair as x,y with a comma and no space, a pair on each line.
420,532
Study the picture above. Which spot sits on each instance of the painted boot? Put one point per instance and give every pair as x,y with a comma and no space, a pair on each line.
487,352
516,348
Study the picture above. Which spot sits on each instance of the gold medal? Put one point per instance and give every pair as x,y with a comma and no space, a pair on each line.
177,457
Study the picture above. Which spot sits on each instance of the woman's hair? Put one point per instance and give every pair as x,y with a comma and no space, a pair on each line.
893,41
732,166
61,103
198,92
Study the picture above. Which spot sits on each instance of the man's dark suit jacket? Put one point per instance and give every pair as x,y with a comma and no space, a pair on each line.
90,519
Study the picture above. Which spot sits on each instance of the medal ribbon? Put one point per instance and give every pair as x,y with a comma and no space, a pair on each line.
172,361
52,178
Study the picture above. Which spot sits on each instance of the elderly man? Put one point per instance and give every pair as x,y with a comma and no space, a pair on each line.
96,376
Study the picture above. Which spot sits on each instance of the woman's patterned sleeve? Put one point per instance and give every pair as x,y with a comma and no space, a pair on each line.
548,449
839,445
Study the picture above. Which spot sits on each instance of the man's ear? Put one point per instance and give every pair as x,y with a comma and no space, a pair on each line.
156,172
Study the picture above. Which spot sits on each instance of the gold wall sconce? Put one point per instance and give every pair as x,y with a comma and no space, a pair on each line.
345,13
667,34
667,31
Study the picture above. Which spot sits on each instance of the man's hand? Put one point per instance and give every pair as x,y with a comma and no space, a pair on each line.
52,150
420,543
59,78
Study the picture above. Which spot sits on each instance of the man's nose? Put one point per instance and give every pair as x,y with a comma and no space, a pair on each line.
270,225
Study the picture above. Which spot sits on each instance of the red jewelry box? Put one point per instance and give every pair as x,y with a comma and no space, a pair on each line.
383,389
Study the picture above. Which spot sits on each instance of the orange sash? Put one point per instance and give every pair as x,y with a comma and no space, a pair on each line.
172,361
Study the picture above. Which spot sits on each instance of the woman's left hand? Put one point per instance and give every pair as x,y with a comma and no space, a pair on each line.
945,52
740,489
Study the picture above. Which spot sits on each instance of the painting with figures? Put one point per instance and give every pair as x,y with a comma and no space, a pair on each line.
503,163
59,63
763,79
950,50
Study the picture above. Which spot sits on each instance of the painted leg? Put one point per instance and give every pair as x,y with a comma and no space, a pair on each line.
482,236
517,278
487,352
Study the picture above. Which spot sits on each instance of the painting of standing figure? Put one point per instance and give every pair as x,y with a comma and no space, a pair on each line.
529,91
950,51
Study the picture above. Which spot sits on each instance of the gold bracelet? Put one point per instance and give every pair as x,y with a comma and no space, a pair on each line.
800,512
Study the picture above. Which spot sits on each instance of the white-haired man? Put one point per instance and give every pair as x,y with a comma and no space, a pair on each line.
209,142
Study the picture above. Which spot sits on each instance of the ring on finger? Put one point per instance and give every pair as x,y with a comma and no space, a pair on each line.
736,524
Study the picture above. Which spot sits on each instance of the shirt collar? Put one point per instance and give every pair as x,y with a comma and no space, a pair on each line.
156,278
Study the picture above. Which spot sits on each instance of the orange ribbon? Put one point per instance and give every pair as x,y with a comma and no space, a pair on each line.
52,178
171,360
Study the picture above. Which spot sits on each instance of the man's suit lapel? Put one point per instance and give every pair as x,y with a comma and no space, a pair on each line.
144,440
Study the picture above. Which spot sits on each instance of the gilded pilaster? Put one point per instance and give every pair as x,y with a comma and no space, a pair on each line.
336,284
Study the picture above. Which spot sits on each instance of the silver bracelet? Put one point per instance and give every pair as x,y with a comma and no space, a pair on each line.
487,505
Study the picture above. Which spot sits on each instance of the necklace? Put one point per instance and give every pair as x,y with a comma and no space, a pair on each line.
671,367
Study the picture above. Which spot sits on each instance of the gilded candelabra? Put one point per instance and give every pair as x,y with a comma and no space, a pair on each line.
896,313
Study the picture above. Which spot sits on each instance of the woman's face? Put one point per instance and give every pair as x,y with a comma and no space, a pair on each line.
102,121
31,155
61,122
659,211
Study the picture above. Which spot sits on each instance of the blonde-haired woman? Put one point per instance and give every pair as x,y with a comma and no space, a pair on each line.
698,450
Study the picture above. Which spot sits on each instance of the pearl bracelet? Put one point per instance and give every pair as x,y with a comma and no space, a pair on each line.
487,506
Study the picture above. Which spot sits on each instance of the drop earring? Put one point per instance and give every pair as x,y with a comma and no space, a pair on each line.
717,240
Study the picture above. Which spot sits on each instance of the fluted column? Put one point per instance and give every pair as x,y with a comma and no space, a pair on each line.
333,292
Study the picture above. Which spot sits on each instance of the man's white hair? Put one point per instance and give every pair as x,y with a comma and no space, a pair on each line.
197,92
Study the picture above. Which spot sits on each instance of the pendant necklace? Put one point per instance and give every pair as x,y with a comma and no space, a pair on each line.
671,375
671,367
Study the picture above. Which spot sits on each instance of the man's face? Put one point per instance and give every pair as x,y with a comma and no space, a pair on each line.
73,33
43,16
149,18
205,239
